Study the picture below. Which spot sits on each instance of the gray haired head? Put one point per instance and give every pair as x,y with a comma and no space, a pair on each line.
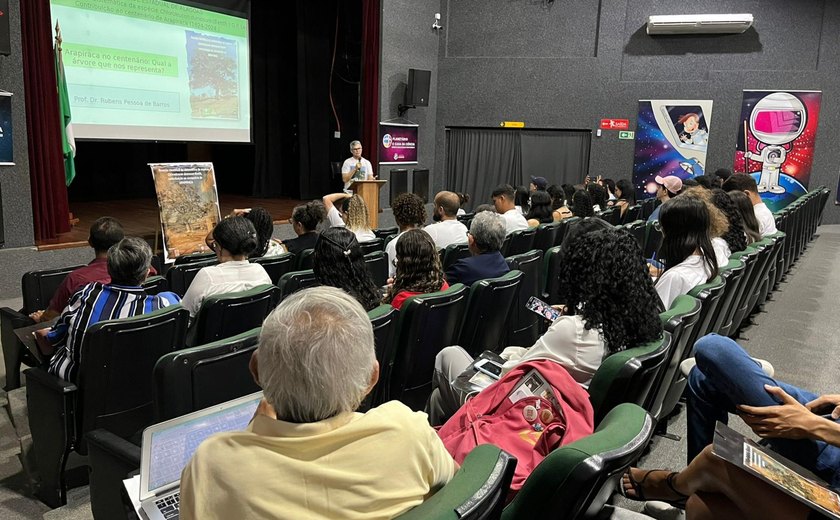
129,261
355,143
316,356
488,231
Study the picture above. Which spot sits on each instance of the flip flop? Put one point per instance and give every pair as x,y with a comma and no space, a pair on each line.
640,495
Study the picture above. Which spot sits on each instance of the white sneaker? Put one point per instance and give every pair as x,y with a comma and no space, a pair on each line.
689,363
663,511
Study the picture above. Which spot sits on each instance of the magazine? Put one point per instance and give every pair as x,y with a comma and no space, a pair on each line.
776,470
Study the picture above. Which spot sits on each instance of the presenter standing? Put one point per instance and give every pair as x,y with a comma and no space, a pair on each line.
356,168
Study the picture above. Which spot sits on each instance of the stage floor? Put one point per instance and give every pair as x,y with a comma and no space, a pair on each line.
139,217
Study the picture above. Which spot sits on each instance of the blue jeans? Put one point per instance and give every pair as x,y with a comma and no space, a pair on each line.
726,376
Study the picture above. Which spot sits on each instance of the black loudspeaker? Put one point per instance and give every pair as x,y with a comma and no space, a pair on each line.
417,89
5,43
398,182
420,184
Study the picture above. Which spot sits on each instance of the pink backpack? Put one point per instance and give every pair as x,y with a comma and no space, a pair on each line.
529,428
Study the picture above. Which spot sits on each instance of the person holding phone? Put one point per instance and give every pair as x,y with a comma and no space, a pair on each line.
611,305
356,167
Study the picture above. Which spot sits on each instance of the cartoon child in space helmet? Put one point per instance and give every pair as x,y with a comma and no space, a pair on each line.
776,120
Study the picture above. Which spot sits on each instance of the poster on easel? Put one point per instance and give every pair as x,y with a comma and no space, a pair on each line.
188,203
7,157
776,138
672,136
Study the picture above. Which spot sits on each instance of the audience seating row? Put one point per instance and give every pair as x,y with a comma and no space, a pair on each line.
122,402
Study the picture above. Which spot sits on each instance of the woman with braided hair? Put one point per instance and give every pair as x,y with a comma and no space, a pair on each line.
339,263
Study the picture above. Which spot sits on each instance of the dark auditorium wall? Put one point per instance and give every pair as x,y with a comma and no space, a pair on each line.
567,64
14,180
408,42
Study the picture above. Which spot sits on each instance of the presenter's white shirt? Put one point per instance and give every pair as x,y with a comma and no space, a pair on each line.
447,232
362,235
514,221
365,173
766,222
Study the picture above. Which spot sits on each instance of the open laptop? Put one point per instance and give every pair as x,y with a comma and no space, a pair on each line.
168,446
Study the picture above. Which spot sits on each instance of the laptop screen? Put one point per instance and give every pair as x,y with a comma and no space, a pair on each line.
172,446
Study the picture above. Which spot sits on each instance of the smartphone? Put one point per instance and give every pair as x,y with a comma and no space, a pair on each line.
543,309
489,367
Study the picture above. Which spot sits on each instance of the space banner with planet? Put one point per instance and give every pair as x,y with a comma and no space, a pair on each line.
776,142
671,139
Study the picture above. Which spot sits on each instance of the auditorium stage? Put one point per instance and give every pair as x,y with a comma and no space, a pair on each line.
139,217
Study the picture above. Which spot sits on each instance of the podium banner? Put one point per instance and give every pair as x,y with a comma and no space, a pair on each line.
398,143
6,143
189,206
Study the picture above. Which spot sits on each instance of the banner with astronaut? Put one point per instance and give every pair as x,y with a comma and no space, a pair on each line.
776,142
671,139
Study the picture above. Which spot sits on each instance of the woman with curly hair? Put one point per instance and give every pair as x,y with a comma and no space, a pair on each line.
686,250
304,221
582,204
418,268
745,208
409,213
735,237
540,211
352,214
339,262
611,305
559,210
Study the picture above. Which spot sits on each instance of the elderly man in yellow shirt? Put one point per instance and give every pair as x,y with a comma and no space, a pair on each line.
307,453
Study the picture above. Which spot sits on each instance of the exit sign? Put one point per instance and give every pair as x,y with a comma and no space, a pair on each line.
626,135
615,124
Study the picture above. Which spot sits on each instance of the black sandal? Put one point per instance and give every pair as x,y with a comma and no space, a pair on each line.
640,495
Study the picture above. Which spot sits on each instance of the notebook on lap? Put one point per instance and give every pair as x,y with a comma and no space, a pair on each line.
168,446
776,470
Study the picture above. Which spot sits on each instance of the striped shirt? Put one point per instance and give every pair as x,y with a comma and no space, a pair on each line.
96,302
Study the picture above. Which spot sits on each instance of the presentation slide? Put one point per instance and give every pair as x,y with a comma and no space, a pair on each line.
151,69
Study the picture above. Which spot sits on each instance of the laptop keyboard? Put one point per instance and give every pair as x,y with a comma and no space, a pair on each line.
169,506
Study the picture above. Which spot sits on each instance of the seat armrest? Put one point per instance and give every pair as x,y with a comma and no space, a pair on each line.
49,381
114,446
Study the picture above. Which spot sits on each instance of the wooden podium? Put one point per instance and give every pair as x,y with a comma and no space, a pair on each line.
369,192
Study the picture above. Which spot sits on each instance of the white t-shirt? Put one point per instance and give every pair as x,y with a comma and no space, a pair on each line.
766,222
682,278
232,276
391,252
350,165
447,232
722,251
362,235
567,342
514,221
461,212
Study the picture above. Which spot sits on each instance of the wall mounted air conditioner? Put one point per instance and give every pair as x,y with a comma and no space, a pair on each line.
699,24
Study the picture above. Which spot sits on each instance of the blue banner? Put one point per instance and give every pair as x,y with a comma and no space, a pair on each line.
6,148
